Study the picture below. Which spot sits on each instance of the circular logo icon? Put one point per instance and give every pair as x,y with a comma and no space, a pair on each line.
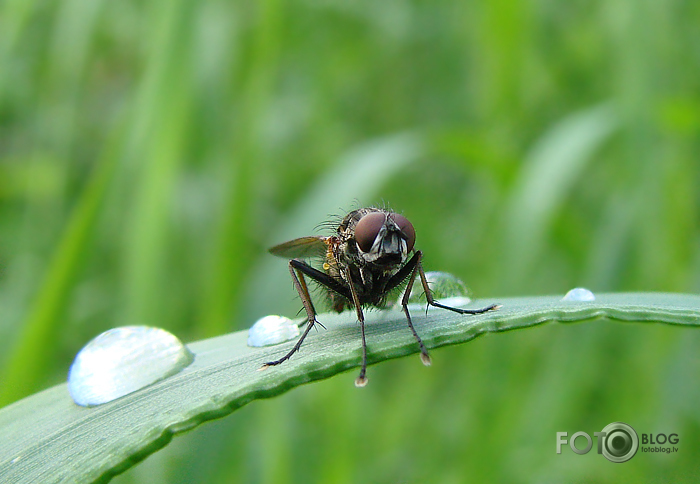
620,442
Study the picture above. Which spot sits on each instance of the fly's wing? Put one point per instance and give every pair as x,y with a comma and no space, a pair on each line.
302,248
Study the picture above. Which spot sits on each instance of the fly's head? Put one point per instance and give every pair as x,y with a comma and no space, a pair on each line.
382,239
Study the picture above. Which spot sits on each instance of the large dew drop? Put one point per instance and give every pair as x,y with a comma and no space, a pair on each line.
272,330
446,288
579,294
123,360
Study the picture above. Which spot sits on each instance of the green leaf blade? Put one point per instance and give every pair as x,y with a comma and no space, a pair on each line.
47,438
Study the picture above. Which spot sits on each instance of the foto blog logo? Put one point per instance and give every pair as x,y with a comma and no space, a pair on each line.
618,442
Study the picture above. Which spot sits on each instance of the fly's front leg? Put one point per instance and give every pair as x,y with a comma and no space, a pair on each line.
303,290
361,380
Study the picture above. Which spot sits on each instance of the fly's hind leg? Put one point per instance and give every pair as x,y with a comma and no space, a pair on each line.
298,269
303,290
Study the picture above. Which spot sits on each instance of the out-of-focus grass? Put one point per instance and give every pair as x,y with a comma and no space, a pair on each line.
150,152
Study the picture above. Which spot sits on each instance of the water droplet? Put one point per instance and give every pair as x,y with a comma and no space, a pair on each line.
272,330
446,288
123,360
579,294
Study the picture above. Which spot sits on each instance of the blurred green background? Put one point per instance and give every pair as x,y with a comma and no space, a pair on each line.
150,152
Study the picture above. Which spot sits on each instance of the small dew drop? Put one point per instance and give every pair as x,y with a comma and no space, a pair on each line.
579,294
446,288
123,360
272,330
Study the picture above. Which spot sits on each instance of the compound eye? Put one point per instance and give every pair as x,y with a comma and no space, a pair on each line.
367,230
406,228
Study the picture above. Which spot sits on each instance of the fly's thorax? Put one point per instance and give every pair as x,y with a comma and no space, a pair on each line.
346,254
349,222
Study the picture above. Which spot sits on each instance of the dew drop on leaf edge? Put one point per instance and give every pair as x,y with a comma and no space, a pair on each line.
272,330
123,360
446,288
580,294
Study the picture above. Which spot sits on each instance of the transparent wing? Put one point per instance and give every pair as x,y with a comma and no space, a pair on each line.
302,248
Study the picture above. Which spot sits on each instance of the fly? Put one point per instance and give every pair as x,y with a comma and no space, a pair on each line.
367,258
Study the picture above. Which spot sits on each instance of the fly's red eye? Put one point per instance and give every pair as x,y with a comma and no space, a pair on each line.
367,230
406,228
